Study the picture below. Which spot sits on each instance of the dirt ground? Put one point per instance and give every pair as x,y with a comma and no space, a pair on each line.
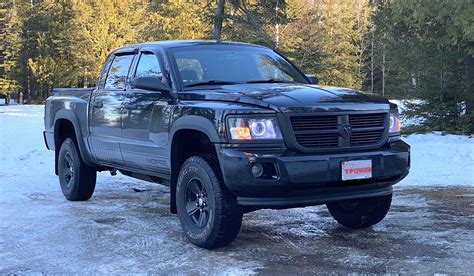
126,228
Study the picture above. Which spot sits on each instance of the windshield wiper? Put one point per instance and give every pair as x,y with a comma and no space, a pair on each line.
269,81
211,82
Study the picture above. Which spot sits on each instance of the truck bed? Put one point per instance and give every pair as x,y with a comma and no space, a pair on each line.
76,92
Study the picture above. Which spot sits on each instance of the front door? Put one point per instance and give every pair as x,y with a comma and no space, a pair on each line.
145,121
105,119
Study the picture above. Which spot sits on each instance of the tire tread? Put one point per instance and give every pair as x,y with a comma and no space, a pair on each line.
228,214
84,185
370,211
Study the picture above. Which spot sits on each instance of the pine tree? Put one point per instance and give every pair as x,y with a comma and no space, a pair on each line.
9,38
175,19
424,52
326,38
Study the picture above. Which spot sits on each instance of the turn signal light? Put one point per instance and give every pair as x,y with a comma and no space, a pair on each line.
241,133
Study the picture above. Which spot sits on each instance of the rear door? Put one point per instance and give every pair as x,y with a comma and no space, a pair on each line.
145,119
106,109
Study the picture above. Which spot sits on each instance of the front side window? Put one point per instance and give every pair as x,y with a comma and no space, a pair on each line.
148,65
118,72
222,63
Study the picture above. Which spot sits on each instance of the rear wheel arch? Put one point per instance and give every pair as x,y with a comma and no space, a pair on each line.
67,126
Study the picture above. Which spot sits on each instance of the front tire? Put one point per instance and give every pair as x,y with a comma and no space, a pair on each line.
77,180
208,212
360,213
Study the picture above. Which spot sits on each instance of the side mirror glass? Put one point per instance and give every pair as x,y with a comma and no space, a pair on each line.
150,83
312,79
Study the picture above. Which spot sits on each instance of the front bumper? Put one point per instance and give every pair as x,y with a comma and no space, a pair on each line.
309,179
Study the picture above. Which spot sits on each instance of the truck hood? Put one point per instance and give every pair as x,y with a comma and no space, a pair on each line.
294,98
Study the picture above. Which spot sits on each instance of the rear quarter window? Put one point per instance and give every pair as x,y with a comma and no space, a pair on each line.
104,71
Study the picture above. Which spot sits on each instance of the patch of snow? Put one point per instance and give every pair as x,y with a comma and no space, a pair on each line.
3,100
440,160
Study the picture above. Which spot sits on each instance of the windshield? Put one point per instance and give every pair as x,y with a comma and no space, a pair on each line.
229,64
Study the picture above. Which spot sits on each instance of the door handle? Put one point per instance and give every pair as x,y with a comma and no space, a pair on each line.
130,106
98,104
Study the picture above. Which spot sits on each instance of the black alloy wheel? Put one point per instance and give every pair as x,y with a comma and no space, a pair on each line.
68,169
197,206
207,210
77,180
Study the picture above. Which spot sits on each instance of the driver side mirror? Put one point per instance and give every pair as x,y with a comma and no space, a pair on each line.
312,79
150,83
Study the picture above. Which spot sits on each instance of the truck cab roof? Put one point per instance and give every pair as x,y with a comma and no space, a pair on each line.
166,44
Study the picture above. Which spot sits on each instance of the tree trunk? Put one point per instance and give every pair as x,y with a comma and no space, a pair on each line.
383,70
469,89
7,99
277,35
372,65
20,97
45,93
219,18
277,27
28,91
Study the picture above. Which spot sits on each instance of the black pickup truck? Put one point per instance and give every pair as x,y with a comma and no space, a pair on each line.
230,128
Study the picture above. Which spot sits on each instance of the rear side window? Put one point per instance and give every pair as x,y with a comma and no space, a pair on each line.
104,71
117,77
148,65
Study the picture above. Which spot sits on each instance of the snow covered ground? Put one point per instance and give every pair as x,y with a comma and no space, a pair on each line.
437,160
126,226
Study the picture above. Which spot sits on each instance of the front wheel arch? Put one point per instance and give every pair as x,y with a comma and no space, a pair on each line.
185,143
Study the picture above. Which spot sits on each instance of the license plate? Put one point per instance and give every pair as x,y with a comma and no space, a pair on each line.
356,169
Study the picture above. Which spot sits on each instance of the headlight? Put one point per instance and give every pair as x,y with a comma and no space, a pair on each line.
243,128
394,122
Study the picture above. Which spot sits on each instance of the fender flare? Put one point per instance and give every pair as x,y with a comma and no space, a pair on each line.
198,123
66,114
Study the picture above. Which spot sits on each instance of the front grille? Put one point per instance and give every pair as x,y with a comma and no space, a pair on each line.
303,123
339,131
318,140
366,120
363,121
366,137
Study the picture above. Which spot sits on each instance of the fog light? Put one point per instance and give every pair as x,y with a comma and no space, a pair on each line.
257,170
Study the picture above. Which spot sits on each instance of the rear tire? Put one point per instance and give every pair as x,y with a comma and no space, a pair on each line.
360,213
77,180
208,212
